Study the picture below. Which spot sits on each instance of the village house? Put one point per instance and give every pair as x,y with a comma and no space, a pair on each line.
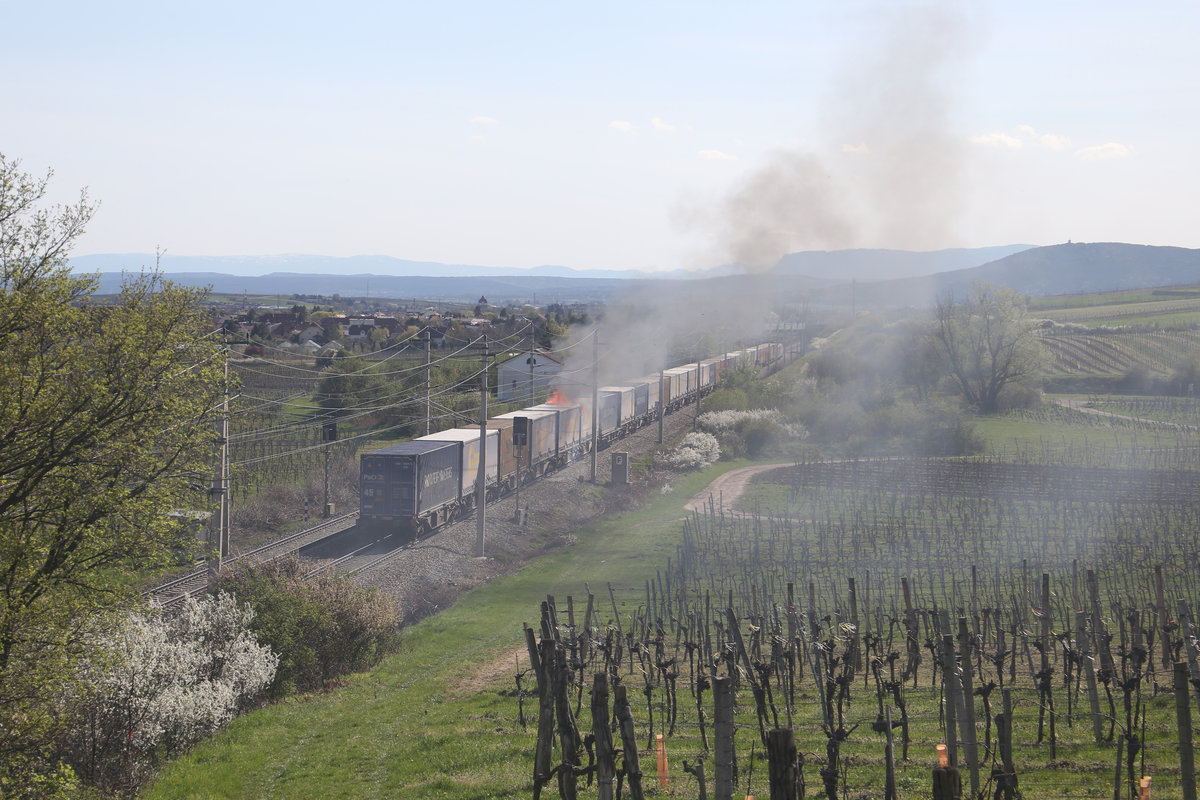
513,375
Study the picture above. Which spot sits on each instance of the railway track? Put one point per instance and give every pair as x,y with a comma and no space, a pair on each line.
196,582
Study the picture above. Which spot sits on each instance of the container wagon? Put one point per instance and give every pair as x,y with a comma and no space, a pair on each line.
412,485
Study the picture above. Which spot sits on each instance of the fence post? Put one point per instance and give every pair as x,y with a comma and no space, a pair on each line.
723,731
1183,721
605,762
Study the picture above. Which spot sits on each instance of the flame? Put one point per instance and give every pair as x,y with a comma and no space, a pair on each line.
557,398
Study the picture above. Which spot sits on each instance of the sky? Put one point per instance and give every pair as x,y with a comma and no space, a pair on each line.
646,136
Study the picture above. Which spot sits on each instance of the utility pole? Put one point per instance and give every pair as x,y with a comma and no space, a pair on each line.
218,536
532,393
481,475
661,386
329,434
696,419
427,338
595,399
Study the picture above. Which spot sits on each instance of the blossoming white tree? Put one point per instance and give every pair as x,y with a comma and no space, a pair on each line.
160,682
696,451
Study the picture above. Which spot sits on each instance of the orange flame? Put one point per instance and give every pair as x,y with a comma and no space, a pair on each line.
557,398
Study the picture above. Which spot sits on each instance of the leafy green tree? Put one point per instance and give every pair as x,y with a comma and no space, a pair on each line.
349,384
105,426
988,344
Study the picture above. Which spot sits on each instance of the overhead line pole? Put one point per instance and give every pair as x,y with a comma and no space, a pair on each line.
595,399
427,337
481,475
219,522
661,394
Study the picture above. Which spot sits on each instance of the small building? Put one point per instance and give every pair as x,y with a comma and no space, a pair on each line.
513,375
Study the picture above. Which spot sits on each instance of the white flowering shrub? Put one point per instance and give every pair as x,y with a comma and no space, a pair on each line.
750,433
696,451
160,681
719,422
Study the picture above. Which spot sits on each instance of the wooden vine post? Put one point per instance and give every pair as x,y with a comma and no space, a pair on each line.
629,756
1183,724
538,657
723,730
605,759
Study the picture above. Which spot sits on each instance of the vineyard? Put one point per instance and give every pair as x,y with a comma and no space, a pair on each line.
1029,616
1113,354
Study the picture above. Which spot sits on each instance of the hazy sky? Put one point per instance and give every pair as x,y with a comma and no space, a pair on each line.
608,135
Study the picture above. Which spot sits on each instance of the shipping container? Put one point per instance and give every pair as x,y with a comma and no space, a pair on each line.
540,427
507,453
609,414
468,439
641,396
675,380
653,391
627,401
409,480
573,434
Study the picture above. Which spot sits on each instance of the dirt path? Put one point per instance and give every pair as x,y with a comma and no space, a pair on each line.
726,489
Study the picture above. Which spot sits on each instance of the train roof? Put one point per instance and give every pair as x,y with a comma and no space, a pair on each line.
453,435
416,447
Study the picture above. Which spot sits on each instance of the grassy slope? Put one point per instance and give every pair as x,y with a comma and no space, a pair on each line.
428,723
414,726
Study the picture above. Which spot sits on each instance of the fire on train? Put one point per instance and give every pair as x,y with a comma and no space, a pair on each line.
417,486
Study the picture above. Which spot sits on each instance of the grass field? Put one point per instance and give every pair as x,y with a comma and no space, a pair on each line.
440,719
431,722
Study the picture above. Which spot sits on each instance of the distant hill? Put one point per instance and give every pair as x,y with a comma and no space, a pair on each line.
877,265
332,265
864,277
1042,271
498,289
1079,268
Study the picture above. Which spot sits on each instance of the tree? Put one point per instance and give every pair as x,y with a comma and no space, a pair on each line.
987,343
157,683
105,426
348,385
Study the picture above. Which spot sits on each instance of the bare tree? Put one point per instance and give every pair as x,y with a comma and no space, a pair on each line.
987,344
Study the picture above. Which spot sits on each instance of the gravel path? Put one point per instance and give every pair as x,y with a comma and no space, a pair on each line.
430,574
727,489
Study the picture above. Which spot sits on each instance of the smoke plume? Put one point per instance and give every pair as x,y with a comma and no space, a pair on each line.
889,171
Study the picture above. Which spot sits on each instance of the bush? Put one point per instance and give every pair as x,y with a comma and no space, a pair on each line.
321,627
157,683
760,436
696,451
749,433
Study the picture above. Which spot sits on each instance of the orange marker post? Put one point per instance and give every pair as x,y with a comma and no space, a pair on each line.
662,760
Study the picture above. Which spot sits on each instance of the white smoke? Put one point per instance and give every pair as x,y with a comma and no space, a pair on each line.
890,171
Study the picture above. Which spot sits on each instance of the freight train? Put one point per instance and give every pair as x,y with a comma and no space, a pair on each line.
417,486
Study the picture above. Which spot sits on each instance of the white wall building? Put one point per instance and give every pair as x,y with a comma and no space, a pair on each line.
513,376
